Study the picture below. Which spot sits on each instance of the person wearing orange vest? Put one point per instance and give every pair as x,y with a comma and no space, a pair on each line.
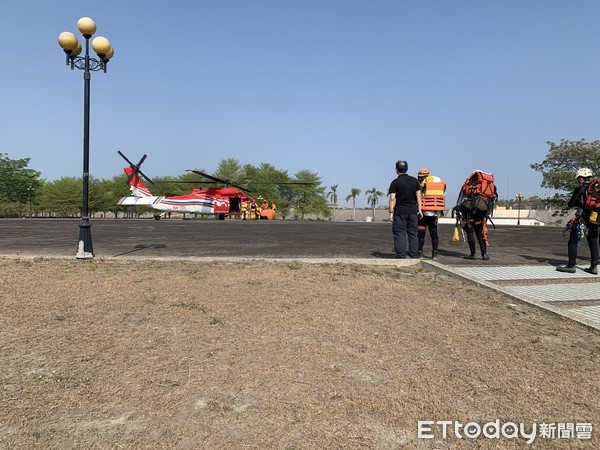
433,191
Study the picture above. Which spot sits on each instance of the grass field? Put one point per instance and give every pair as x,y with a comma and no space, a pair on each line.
187,355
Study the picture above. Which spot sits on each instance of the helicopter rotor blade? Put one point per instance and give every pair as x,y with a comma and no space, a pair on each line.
219,180
125,158
136,168
139,171
210,177
188,182
284,182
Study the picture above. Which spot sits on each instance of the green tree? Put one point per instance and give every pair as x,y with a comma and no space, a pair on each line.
18,184
373,198
229,169
562,161
268,182
354,192
109,191
309,198
332,195
62,197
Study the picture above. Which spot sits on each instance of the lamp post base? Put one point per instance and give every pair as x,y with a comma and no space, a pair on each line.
85,249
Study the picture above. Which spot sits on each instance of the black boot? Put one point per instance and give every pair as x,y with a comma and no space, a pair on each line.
434,255
566,269
485,257
592,269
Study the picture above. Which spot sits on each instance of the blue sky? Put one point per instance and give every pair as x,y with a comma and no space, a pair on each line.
343,88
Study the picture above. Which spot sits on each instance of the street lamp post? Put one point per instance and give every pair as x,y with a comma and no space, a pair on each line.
71,46
519,198
30,191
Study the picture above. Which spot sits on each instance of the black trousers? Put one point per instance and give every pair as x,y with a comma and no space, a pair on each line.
474,232
431,224
592,240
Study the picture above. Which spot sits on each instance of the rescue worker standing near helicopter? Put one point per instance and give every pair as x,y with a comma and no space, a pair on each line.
583,219
244,213
433,191
254,210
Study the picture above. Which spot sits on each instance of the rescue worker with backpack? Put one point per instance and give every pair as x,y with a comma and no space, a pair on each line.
474,207
586,198
433,191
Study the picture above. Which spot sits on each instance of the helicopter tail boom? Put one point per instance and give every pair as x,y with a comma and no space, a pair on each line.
137,186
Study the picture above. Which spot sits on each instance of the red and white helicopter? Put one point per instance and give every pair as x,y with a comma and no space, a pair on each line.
220,201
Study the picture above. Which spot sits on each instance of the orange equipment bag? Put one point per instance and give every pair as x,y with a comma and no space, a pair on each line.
592,196
480,183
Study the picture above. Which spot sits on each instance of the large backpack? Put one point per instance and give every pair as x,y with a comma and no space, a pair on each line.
592,196
479,193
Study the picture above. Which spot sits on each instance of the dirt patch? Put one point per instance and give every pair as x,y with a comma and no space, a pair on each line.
185,355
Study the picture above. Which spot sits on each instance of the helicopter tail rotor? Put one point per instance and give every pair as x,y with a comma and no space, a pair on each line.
135,168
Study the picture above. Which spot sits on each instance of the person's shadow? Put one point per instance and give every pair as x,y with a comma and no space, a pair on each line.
384,255
140,247
551,261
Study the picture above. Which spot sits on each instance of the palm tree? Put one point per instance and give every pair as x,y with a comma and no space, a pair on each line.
332,195
354,192
373,198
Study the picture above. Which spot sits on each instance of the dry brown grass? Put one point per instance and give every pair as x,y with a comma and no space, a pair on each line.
185,355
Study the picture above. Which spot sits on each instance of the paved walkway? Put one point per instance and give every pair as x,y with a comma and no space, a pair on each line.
576,296
523,258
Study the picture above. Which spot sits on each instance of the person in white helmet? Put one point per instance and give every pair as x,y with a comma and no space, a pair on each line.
582,216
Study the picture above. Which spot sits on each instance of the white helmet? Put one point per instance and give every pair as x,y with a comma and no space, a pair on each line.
584,172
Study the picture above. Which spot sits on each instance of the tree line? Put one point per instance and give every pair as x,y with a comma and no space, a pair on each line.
24,192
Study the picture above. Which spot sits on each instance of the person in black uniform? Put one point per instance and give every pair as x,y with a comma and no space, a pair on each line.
582,216
405,211
474,225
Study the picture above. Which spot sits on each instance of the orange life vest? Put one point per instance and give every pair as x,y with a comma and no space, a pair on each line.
433,195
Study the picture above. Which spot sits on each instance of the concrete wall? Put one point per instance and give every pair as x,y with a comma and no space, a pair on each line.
500,217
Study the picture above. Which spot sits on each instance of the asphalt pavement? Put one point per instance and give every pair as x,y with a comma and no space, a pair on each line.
115,238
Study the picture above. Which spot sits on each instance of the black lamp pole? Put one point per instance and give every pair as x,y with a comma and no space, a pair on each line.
72,48
85,249
519,198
